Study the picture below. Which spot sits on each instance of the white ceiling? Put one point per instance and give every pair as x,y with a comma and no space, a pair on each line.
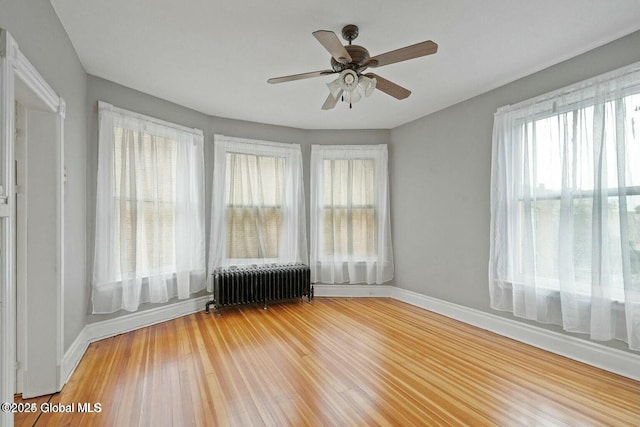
215,56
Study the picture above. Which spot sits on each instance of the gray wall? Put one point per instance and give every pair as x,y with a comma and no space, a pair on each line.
440,171
439,165
43,40
123,97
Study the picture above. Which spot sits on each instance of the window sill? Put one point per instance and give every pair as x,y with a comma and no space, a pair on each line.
554,292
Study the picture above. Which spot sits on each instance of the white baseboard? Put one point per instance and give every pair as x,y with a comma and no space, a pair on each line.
357,291
607,358
93,332
73,355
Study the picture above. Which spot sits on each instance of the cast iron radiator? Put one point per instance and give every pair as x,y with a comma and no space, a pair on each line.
260,285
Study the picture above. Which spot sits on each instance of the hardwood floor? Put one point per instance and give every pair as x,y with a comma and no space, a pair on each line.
366,361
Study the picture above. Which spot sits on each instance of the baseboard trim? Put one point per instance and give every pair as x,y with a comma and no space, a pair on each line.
609,359
93,332
588,352
355,291
73,355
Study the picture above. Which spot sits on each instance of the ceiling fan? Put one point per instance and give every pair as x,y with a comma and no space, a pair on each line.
351,61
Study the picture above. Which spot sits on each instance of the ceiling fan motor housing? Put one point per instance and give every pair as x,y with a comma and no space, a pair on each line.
358,55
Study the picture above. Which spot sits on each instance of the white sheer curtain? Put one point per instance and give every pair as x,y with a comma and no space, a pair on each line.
258,212
565,208
149,244
350,225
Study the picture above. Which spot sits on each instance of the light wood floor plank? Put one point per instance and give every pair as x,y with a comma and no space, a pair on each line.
339,362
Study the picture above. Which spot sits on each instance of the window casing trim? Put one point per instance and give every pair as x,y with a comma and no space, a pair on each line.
576,95
290,211
373,266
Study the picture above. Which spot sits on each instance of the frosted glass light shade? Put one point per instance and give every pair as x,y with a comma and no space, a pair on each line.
354,96
351,86
334,88
367,85
348,80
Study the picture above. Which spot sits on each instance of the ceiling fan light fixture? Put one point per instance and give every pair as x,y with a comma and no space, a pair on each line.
348,80
350,61
334,88
367,85
351,86
353,96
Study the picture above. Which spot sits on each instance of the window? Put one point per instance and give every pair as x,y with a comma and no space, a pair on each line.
253,186
349,209
138,186
258,214
350,232
548,204
149,243
565,235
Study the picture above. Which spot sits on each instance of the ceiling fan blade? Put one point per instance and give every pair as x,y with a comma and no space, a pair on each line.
331,101
410,52
332,43
300,76
389,88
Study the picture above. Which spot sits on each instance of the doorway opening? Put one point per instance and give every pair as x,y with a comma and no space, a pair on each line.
31,229
36,251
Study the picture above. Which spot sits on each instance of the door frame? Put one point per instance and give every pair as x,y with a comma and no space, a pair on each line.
14,65
20,154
